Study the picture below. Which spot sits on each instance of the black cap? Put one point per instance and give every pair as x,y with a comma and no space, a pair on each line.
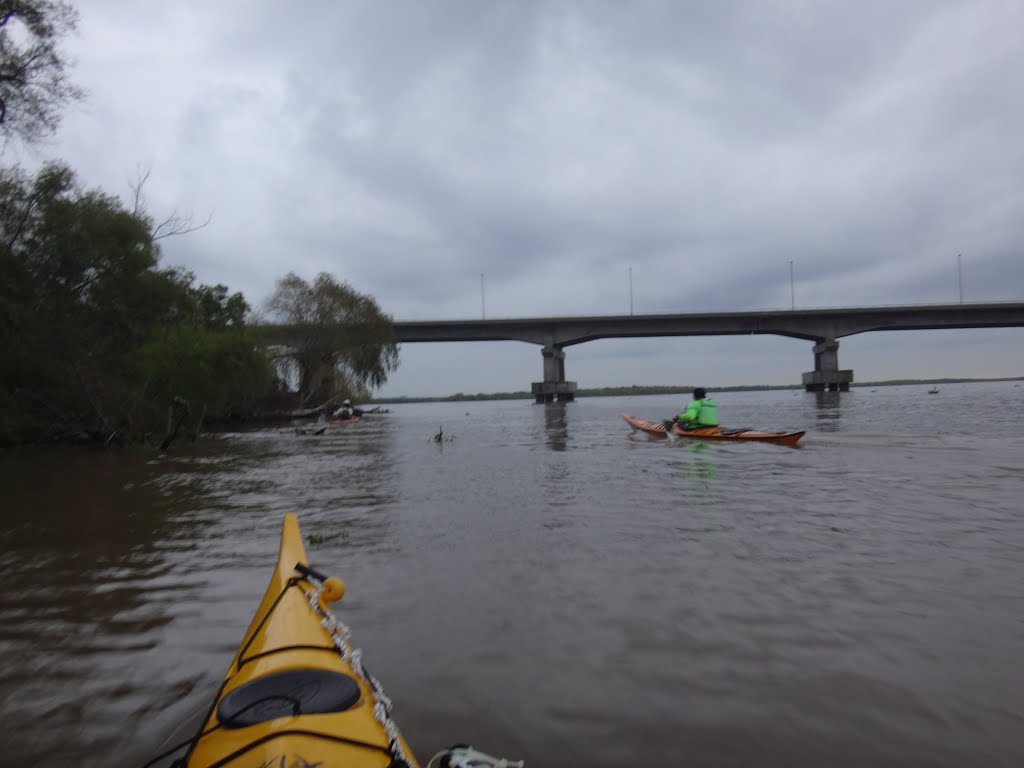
699,393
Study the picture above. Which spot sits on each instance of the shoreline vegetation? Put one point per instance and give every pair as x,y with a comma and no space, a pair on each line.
101,343
635,390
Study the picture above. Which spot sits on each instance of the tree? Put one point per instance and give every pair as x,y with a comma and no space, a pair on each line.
341,342
78,290
95,337
214,371
33,71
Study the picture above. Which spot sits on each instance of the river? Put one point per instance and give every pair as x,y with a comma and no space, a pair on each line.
545,587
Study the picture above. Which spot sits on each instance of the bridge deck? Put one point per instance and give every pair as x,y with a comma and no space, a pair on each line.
810,324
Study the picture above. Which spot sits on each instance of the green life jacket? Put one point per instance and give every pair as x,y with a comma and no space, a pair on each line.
700,413
707,416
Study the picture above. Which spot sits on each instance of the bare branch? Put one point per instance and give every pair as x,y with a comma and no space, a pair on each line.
174,224
142,174
178,225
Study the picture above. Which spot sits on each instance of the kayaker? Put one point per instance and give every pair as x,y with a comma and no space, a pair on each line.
346,411
701,412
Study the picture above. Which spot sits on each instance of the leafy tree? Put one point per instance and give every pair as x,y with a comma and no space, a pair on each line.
215,370
341,342
94,336
33,71
219,311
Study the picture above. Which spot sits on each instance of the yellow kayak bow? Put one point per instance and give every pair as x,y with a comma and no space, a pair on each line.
296,693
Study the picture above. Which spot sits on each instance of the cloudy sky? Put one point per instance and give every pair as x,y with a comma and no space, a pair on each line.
558,148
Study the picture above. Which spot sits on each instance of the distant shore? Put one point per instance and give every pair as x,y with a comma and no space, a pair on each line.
654,390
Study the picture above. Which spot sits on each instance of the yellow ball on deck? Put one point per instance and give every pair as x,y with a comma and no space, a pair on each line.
334,589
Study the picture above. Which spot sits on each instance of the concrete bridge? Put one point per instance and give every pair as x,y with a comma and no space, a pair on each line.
823,327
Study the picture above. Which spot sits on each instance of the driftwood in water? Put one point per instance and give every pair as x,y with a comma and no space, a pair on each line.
441,437
169,438
271,411
327,407
299,413
199,424
324,407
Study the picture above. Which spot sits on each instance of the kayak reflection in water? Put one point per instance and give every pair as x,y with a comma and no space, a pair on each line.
702,469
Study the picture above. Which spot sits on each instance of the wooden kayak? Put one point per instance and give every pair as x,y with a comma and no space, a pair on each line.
296,692
717,433
652,428
657,429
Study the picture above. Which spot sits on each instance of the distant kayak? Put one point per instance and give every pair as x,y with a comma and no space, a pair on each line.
656,429
342,422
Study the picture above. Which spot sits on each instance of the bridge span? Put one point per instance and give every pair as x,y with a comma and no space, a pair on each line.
822,327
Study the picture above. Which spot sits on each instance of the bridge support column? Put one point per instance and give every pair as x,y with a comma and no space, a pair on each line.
826,374
554,386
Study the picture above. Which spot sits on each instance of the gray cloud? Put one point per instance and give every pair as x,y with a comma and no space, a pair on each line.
552,147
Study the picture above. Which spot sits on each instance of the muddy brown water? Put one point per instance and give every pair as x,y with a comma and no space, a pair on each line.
546,588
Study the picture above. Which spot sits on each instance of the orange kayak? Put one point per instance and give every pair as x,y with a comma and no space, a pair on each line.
652,428
657,429
717,433
342,422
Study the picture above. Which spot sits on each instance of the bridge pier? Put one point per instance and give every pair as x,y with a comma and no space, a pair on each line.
827,374
554,386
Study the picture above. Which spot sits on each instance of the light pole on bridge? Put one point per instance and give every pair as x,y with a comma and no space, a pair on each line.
960,276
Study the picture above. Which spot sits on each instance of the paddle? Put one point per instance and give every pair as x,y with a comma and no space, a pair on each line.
669,423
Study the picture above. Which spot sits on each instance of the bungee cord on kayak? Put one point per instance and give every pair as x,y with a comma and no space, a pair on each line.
340,633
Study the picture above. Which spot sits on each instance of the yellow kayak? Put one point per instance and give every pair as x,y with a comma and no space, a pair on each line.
296,693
